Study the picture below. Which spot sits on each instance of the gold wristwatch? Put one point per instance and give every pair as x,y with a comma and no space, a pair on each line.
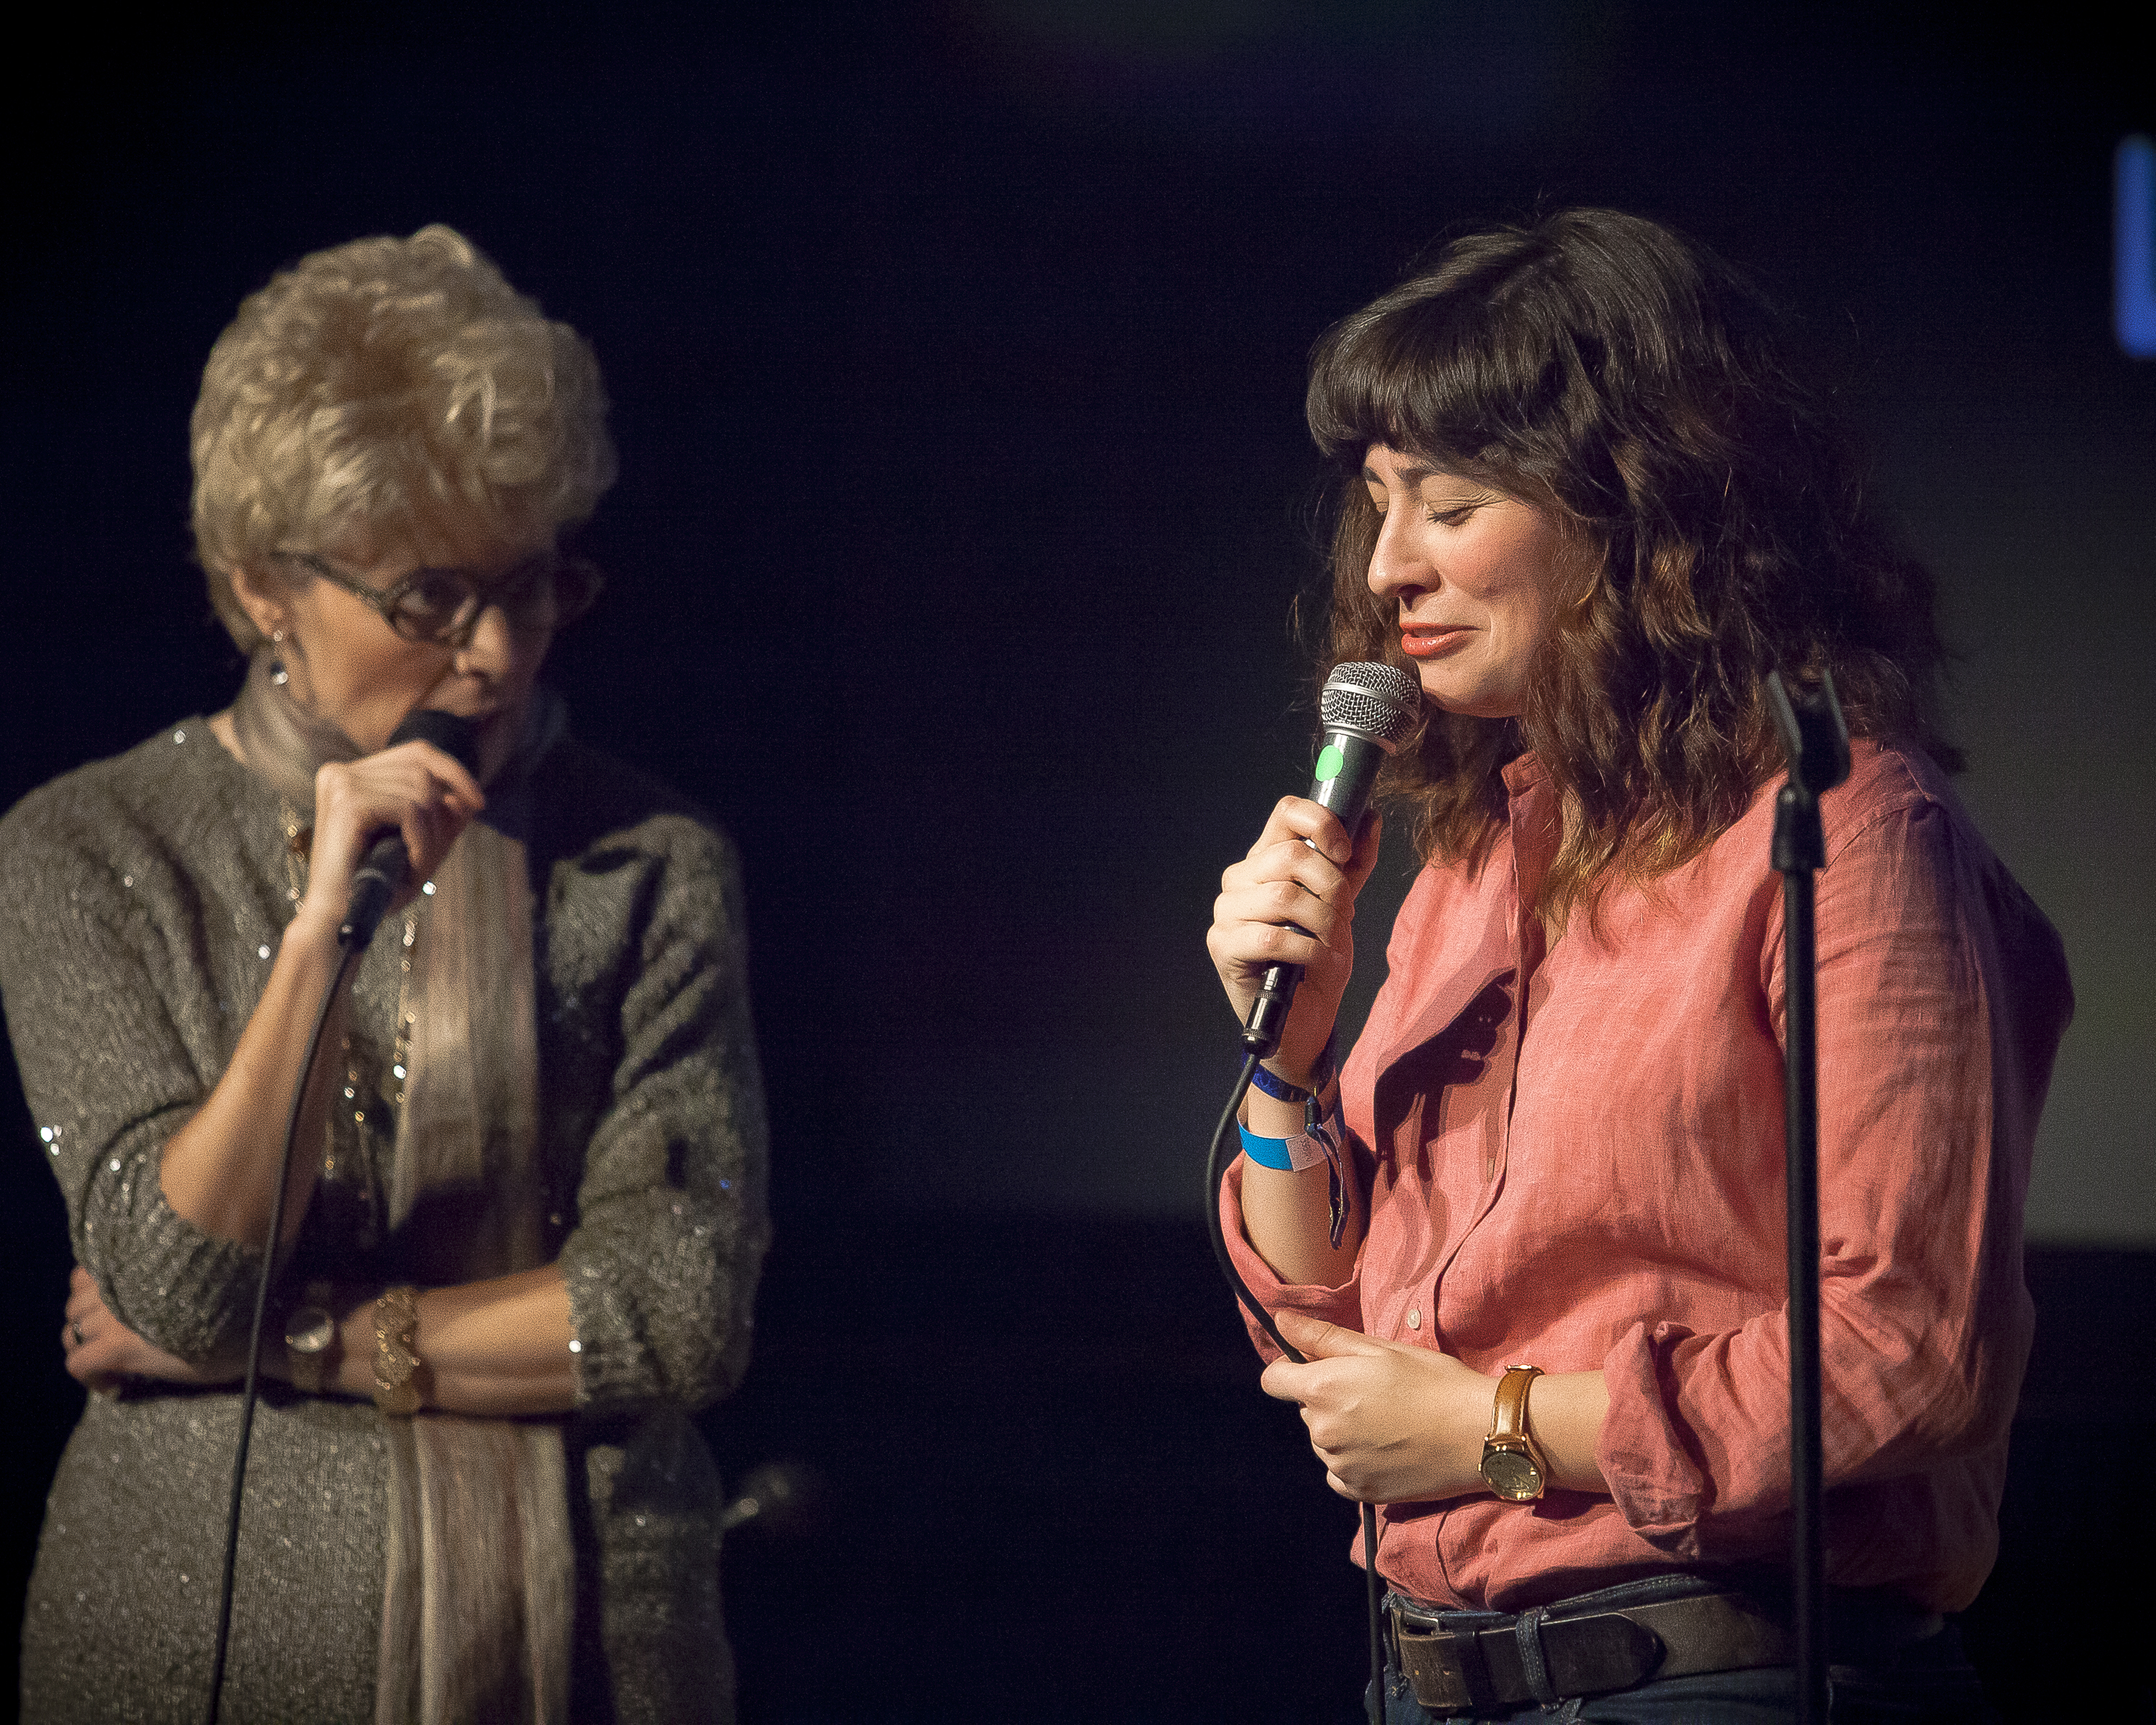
1512,1464
309,1332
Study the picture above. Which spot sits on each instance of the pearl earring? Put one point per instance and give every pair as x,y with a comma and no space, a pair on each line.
278,674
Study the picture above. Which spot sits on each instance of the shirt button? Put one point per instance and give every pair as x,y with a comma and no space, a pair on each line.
1415,1317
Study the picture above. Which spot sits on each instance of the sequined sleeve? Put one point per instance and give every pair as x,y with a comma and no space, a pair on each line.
119,1028
669,1226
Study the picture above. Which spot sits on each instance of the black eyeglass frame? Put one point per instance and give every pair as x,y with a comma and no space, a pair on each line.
383,601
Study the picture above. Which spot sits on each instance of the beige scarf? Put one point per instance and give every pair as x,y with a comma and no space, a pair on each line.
480,1588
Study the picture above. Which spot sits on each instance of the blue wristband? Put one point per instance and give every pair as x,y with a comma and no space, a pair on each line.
1267,1152
1321,1074
1320,1143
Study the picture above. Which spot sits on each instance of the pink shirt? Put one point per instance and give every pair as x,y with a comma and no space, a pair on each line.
1590,1175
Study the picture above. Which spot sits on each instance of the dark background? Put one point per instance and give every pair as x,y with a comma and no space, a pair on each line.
956,352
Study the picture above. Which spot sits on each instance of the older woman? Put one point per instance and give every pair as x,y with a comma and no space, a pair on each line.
523,1226
1587,505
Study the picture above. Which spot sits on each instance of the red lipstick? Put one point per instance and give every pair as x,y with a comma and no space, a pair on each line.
1425,640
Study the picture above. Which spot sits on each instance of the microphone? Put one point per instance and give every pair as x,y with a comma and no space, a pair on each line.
387,863
1366,709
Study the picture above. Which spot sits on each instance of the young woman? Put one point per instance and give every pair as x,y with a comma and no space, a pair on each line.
1586,502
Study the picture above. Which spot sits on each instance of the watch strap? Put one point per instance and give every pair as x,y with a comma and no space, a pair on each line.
1512,1463
1509,1419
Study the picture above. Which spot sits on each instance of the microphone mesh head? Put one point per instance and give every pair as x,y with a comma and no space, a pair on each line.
452,733
1378,701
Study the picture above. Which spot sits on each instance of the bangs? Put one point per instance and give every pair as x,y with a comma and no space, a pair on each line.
1436,369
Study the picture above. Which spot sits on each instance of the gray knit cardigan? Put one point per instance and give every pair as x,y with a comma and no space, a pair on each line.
149,893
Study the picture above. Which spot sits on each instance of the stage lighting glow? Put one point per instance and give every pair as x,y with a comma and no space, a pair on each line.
2135,290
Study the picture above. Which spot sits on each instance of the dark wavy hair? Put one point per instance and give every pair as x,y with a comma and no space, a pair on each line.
1631,384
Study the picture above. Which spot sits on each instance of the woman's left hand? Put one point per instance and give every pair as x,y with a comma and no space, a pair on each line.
1392,1424
101,1351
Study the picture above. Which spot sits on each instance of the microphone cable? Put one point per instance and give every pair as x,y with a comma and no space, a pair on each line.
248,1394
375,882
1366,709
1216,1170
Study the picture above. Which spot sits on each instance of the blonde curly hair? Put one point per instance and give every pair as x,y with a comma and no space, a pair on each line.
388,385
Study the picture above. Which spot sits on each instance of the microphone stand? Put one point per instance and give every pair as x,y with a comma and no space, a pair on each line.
1816,744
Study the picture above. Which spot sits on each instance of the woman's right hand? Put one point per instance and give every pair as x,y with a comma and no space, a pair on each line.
219,1170
1283,880
416,788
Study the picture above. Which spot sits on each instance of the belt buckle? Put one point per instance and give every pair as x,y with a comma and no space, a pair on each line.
1444,1667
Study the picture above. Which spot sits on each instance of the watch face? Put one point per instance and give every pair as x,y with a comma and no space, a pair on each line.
1512,1474
310,1330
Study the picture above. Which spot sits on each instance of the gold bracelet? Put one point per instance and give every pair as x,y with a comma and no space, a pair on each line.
396,1326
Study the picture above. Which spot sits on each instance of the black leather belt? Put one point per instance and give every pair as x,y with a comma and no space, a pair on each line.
1488,1661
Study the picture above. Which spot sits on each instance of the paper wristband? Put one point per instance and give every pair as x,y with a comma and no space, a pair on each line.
1289,1155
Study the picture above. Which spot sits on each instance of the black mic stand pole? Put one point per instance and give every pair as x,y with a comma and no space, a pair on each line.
1817,745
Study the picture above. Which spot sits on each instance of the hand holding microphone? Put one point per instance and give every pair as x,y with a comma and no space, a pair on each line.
1284,917
381,820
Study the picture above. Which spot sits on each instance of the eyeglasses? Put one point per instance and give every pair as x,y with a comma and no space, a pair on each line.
548,591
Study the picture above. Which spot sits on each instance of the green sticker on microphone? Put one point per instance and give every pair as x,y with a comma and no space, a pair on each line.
1330,760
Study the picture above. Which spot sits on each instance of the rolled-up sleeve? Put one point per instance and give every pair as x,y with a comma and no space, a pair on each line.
663,1262
1942,992
91,951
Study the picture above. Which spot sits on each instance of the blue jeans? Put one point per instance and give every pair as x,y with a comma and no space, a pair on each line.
1928,1682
